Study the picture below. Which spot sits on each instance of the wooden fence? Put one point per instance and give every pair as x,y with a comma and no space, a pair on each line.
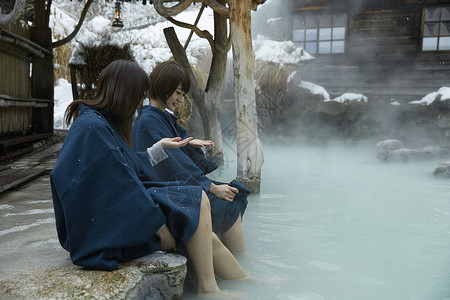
14,83
18,109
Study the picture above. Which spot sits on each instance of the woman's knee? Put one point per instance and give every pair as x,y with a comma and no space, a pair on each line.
205,205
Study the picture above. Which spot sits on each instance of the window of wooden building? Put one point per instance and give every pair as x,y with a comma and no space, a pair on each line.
436,29
320,33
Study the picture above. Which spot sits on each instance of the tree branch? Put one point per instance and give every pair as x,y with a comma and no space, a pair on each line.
77,28
195,24
218,8
201,33
16,12
170,11
180,56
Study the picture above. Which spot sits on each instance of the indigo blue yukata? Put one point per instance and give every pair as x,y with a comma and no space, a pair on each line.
108,202
188,164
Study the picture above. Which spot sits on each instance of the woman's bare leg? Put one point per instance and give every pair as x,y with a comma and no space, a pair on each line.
233,239
200,250
225,265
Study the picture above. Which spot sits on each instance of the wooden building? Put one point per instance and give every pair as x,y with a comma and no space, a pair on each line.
384,49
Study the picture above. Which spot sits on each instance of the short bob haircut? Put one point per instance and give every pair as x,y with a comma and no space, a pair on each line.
121,88
165,78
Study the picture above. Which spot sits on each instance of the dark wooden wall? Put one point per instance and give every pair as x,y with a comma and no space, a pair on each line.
26,86
384,36
383,57
14,83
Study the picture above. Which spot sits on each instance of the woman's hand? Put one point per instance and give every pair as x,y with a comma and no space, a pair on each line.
167,239
197,143
223,191
176,142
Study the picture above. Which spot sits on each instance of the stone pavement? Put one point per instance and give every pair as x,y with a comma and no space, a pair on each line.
35,266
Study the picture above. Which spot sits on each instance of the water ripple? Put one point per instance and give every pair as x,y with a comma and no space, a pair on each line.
326,266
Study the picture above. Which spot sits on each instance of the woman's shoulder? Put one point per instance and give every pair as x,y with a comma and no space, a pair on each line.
90,117
151,116
90,124
151,111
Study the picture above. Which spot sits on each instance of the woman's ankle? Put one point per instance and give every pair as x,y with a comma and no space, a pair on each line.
206,289
208,285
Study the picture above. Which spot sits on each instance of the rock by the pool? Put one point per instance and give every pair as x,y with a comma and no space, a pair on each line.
443,170
392,150
390,145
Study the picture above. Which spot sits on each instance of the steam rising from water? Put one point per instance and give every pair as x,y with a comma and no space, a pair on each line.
333,222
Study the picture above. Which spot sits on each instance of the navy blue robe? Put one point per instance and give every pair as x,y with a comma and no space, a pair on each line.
108,201
187,164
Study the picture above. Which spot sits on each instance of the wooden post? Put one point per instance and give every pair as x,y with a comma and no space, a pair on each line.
249,150
42,77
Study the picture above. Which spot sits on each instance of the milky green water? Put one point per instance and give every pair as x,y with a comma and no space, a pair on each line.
333,222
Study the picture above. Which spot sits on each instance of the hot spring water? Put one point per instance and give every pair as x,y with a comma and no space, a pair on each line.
334,222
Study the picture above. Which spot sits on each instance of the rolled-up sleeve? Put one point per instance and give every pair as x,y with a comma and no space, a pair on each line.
156,154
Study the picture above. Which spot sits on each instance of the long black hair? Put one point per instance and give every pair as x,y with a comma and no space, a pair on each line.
121,87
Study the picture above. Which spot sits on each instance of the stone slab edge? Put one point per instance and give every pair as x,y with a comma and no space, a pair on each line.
158,274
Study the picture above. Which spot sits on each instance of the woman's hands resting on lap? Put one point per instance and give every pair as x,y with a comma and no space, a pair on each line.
223,191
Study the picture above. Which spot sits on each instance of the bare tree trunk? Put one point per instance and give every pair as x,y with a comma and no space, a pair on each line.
249,150
212,126
207,100
214,86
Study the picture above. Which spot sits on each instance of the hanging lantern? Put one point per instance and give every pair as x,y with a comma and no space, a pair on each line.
117,21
